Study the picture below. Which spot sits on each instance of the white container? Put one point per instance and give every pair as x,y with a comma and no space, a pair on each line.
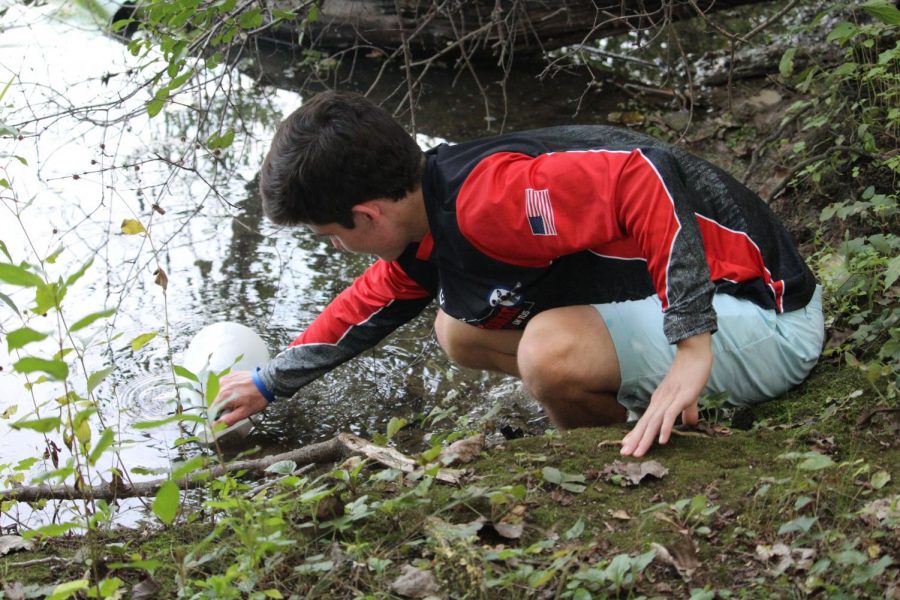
215,348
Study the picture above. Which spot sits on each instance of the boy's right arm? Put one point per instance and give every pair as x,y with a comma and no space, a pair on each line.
378,302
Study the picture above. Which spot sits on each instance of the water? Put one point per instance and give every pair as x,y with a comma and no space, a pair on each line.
93,161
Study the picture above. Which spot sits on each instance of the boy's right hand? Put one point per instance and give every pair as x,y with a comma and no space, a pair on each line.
239,396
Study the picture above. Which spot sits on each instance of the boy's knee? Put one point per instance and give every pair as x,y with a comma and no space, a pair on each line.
453,338
544,359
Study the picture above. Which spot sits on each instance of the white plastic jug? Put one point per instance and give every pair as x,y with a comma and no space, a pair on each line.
215,348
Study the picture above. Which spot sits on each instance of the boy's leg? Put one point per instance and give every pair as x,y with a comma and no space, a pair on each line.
565,358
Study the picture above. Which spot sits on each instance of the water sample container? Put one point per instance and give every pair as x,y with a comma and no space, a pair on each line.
215,348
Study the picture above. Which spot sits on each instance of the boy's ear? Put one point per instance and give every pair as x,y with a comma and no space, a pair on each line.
370,209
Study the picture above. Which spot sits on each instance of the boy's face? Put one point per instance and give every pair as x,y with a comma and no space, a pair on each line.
366,237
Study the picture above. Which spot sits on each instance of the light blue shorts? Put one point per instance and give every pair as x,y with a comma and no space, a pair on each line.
757,354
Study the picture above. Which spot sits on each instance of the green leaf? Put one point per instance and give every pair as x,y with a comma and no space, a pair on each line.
132,227
212,387
395,425
47,296
552,475
68,589
121,24
251,19
52,257
800,525
165,505
187,374
142,340
842,32
892,272
216,141
574,532
77,274
816,462
95,378
5,251
106,440
56,369
51,530
87,320
9,301
45,425
188,467
171,419
15,275
22,337
155,106
883,11
21,159
786,66
880,479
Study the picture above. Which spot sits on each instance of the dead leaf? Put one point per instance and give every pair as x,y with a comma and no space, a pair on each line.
132,227
883,512
561,497
511,531
632,473
798,558
415,583
606,443
145,589
14,591
681,555
463,451
162,280
392,458
13,543
620,515
158,208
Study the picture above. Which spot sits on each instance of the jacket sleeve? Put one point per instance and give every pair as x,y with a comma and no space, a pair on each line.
631,203
378,302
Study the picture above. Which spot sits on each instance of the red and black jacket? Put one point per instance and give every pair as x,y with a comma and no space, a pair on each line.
562,216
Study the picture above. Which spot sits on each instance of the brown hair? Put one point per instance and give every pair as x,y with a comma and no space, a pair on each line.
334,152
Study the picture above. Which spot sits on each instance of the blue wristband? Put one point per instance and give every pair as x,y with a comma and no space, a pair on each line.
258,382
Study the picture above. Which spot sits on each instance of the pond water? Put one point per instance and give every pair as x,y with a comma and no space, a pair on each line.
90,159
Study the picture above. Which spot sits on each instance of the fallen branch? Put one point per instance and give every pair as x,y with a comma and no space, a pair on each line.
324,452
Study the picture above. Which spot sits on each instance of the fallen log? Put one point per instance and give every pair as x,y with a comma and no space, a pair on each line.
335,449
324,452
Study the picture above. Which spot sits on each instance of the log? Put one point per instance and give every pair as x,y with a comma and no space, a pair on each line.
325,452
478,28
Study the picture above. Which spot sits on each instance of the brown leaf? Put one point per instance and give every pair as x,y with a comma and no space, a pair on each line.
564,499
632,473
620,515
13,543
511,531
145,590
14,590
463,451
883,512
158,208
415,583
162,280
682,555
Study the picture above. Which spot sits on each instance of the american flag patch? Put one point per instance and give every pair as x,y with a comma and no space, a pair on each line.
539,212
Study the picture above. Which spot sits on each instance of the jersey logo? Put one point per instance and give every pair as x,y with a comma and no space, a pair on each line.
539,212
504,297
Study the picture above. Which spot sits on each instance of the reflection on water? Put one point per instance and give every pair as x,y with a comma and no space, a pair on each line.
87,169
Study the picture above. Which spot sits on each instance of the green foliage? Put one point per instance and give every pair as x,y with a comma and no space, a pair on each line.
851,112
